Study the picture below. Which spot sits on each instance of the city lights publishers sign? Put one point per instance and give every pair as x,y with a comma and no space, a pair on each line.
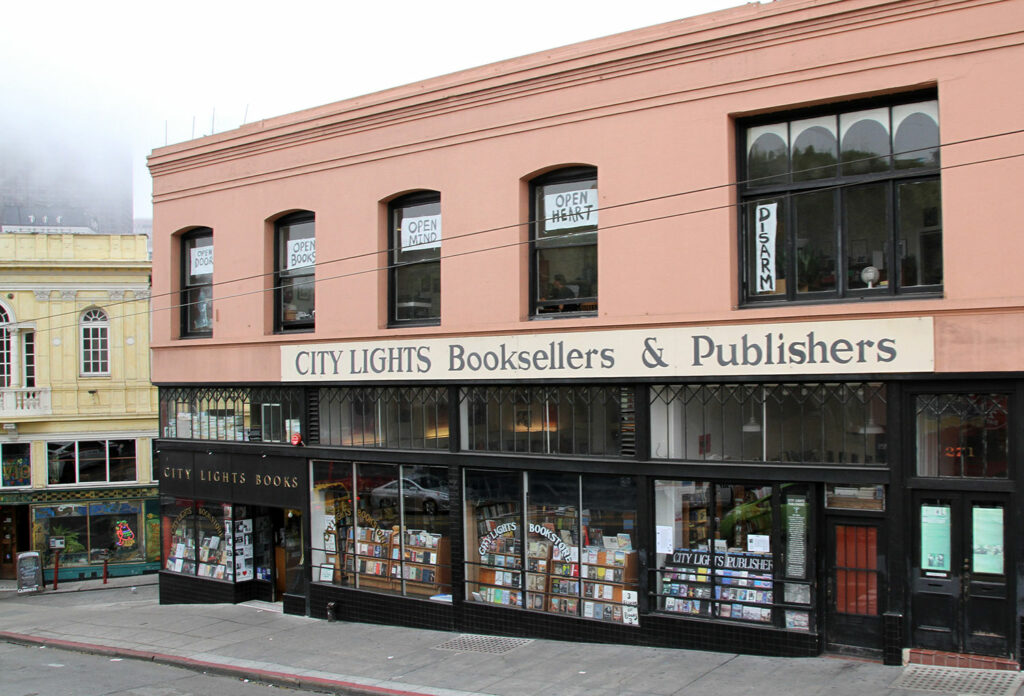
783,349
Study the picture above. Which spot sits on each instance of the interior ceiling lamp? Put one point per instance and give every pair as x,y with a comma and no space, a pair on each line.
871,428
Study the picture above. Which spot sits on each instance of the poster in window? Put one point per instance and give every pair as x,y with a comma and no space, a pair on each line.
421,233
987,540
300,253
570,209
935,538
201,260
766,221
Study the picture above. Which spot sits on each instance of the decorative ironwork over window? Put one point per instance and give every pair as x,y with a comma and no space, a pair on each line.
392,417
570,420
238,414
797,423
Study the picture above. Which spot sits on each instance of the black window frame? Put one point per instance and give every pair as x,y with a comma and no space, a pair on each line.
582,304
842,187
397,267
188,242
281,276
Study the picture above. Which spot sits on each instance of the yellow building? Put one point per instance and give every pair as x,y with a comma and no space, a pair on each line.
77,410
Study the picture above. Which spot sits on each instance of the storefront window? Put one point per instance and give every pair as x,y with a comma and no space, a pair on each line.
553,540
91,533
581,557
398,540
234,414
15,469
494,538
115,532
199,540
69,523
715,555
793,423
397,418
570,420
962,435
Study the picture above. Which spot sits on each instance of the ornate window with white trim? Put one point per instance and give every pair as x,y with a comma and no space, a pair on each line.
6,358
95,327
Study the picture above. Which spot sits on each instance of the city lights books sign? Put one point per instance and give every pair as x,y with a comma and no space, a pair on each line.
800,348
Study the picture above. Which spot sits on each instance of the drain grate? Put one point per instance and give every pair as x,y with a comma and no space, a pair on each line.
497,645
957,680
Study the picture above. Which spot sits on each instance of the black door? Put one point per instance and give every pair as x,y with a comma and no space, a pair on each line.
961,591
854,594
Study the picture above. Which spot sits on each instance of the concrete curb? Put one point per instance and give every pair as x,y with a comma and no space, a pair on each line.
257,675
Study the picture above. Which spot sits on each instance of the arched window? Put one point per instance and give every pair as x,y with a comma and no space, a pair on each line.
6,360
197,283
854,211
95,342
415,231
563,272
295,272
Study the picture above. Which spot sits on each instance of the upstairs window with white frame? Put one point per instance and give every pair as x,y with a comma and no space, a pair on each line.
95,327
91,461
6,359
28,344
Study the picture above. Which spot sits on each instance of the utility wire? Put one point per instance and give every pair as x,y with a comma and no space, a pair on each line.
602,228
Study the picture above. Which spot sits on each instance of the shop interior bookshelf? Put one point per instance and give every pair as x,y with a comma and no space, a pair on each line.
376,558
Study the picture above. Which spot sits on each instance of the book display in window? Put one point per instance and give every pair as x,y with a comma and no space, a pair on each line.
609,575
739,586
216,558
373,556
426,562
497,578
598,582
243,550
182,556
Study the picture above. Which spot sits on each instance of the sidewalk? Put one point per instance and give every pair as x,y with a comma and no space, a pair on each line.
255,641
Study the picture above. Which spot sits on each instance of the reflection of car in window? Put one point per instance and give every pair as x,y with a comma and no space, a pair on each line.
428,494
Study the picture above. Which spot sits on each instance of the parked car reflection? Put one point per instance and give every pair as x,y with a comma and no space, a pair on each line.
428,494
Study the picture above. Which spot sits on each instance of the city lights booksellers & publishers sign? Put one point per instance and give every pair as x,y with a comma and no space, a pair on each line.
800,348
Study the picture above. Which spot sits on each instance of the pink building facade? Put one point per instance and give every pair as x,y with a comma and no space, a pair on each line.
706,334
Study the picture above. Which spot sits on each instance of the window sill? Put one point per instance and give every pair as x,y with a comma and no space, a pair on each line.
849,299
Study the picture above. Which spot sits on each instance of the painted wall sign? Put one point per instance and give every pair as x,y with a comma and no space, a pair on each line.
570,209
201,260
837,347
300,253
767,220
419,233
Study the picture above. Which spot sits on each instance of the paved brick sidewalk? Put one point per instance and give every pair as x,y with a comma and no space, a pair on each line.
256,641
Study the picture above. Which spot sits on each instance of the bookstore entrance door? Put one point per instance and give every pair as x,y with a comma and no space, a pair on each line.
961,575
855,577
288,558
